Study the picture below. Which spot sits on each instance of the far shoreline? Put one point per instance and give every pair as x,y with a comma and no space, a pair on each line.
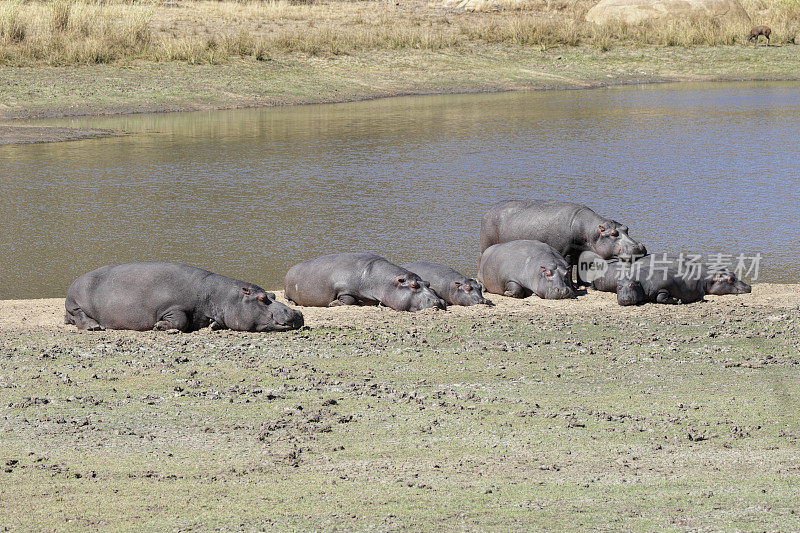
145,88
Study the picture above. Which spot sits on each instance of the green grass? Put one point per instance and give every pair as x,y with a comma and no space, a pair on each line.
105,89
437,422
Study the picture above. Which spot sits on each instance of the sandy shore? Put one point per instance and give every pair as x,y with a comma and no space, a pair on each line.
43,315
531,414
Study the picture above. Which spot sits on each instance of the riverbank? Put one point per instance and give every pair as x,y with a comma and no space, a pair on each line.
577,414
53,92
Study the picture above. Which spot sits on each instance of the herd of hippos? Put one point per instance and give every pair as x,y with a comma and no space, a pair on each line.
528,247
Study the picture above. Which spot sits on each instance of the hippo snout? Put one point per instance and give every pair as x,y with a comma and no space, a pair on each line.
431,301
743,288
285,318
630,250
560,293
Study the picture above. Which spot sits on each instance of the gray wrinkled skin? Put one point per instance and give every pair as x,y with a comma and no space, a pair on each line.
659,284
451,286
163,296
718,281
524,267
358,279
630,292
568,227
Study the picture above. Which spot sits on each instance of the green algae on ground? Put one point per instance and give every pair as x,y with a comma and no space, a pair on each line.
665,418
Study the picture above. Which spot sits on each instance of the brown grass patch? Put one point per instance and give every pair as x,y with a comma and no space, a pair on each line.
63,32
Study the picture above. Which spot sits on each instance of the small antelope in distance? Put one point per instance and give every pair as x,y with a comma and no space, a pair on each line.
757,31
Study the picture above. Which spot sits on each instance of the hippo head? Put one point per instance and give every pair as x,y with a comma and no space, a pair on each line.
611,240
553,282
256,310
724,282
629,292
467,292
409,293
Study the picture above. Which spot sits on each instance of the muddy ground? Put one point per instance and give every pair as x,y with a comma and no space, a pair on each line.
575,414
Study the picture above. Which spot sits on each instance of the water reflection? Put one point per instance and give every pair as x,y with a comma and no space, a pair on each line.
247,193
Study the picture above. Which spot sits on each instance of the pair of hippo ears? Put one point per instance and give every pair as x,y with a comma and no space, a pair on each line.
613,231
414,284
466,286
264,297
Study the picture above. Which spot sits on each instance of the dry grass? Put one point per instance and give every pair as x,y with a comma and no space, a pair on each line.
63,32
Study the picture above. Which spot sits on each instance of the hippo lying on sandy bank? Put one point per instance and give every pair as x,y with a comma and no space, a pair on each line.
568,227
163,296
646,281
525,267
358,279
450,285
716,280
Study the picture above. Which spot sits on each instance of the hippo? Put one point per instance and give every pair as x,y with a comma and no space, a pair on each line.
167,296
757,31
716,279
451,286
524,267
645,281
568,227
358,279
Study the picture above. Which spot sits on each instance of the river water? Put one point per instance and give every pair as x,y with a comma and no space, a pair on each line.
705,168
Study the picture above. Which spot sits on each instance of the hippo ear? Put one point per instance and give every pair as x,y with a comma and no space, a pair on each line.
271,295
263,297
623,228
245,290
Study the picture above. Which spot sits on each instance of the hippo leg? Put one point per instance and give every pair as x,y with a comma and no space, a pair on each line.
663,297
514,290
79,318
173,319
344,299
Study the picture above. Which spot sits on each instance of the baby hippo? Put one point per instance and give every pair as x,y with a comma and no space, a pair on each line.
358,279
453,287
644,281
716,280
521,268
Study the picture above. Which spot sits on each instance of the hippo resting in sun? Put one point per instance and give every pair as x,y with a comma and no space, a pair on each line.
358,279
645,281
525,267
568,227
716,280
451,286
164,296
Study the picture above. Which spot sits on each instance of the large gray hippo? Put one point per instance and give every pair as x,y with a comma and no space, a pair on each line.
568,227
358,279
524,267
163,296
659,283
450,285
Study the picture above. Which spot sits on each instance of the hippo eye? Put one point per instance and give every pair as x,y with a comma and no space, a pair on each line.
619,287
467,288
730,279
548,273
614,233
414,285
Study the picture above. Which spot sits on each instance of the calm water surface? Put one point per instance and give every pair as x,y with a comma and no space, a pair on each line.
691,167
